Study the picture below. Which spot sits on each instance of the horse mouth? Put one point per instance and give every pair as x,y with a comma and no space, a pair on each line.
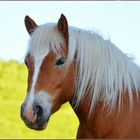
38,125
39,128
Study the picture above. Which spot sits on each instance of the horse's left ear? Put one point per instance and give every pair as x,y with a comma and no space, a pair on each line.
63,26
30,24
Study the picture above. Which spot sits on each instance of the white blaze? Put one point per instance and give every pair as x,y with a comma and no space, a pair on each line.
31,94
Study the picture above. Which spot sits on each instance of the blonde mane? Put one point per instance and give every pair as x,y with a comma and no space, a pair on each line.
103,71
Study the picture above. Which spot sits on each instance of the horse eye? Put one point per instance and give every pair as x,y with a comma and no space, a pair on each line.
60,61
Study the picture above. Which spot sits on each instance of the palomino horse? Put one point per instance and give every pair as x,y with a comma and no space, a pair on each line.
100,82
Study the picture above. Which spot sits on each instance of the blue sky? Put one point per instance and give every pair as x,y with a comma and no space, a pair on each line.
119,20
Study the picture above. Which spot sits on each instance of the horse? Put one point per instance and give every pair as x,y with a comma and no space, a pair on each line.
79,66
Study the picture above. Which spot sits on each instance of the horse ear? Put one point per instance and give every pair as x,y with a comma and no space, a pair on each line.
30,24
63,26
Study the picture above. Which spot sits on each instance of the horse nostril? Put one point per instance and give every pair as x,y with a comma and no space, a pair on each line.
38,111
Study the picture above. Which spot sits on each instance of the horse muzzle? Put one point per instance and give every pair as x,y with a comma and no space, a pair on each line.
34,117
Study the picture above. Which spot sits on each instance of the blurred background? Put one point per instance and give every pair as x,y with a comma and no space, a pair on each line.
118,21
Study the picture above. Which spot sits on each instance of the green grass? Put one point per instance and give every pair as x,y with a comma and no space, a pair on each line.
13,77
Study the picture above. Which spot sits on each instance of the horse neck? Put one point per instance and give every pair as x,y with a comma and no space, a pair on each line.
86,123
101,122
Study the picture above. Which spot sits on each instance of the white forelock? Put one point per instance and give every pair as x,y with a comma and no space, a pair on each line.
44,39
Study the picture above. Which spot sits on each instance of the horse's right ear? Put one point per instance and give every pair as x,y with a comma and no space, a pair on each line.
30,24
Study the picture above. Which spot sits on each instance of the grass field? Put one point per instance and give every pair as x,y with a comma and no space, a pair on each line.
13,77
